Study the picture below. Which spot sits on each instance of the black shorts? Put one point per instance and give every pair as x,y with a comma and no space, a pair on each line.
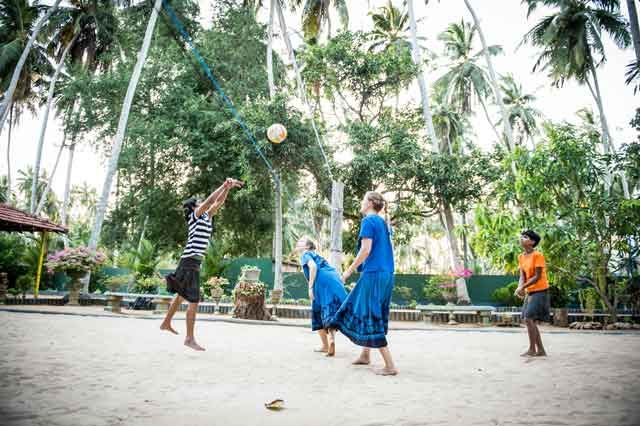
186,279
536,306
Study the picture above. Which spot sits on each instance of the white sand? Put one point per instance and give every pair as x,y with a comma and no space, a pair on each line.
69,370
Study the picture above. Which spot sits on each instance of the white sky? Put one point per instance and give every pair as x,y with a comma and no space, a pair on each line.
504,22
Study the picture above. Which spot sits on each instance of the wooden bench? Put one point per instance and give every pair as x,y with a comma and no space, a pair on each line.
114,301
482,313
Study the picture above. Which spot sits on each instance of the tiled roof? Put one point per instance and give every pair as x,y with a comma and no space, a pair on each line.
14,220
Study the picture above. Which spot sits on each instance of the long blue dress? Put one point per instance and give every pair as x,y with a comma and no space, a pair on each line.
328,291
364,315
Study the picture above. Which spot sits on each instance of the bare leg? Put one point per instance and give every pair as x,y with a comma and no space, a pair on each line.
190,341
332,342
173,308
364,358
325,343
532,338
389,368
540,351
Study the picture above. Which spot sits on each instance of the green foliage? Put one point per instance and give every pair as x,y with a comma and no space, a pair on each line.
433,290
560,190
116,282
14,247
24,283
151,284
505,295
403,292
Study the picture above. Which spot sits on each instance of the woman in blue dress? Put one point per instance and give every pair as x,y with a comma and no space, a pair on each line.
364,315
326,293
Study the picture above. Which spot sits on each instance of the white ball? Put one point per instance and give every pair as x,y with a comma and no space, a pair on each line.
277,133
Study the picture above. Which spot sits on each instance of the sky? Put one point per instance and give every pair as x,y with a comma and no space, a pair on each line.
503,21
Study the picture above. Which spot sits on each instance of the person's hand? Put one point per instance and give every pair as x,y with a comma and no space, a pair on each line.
345,276
228,183
311,294
235,183
519,292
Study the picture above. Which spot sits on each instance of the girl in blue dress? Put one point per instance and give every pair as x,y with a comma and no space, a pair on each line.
326,293
364,315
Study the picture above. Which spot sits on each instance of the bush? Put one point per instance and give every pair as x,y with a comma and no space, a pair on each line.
150,285
403,293
115,282
504,296
433,291
559,297
23,284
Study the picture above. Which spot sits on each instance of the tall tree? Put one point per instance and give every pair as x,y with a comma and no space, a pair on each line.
315,13
120,133
13,84
521,113
390,27
572,46
508,130
634,27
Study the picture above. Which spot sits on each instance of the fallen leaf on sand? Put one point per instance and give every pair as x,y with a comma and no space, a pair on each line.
276,404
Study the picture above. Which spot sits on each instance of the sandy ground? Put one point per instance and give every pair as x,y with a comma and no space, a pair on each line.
71,370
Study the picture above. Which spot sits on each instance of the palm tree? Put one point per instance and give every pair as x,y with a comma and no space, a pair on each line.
122,125
315,13
17,20
83,29
634,27
450,126
422,81
523,117
508,130
390,27
572,47
466,81
17,45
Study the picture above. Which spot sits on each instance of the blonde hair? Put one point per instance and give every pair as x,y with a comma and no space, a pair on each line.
379,203
308,243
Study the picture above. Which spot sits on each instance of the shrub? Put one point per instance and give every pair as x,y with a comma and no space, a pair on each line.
23,284
149,285
504,295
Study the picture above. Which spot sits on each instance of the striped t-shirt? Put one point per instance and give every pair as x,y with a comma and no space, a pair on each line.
200,229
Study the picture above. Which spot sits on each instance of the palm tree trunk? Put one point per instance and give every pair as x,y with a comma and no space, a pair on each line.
47,187
609,146
424,92
272,86
67,191
8,95
488,117
45,120
120,133
456,258
292,56
278,282
508,131
9,200
635,28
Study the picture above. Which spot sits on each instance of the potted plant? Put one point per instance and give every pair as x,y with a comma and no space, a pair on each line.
75,263
115,282
249,273
215,286
149,285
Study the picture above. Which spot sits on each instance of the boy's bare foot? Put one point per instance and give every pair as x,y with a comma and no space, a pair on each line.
168,327
528,353
540,353
386,372
193,345
361,361
323,350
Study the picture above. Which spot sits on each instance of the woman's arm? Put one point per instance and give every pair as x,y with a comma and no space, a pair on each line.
219,202
363,253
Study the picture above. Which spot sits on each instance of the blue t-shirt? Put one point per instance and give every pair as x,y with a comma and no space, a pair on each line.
381,256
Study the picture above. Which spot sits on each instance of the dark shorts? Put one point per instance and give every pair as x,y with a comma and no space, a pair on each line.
186,279
536,306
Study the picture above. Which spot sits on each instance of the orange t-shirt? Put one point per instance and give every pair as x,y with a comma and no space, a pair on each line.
528,264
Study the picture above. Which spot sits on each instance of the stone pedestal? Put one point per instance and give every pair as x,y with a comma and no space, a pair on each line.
276,296
561,317
162,305
4,284
114,304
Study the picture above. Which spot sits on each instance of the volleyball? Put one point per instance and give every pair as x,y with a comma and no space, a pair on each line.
277,133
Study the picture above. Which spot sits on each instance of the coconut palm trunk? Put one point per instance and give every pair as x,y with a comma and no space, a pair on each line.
47,186
45,120
508,131
67,190
8,95
456,257
9,200
634,27
120,133
422,81
272,85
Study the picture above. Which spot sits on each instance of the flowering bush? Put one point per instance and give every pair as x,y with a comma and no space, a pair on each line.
214,283
462,273
78,259
246,289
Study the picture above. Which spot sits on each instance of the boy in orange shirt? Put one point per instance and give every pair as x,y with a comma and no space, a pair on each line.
534,288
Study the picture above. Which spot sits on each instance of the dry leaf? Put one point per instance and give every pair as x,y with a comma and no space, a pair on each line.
276,404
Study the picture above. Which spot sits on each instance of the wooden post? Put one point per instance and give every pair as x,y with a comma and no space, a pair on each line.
337,198
43,250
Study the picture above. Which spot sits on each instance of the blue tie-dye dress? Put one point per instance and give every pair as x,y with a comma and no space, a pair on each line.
364,315
328,291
